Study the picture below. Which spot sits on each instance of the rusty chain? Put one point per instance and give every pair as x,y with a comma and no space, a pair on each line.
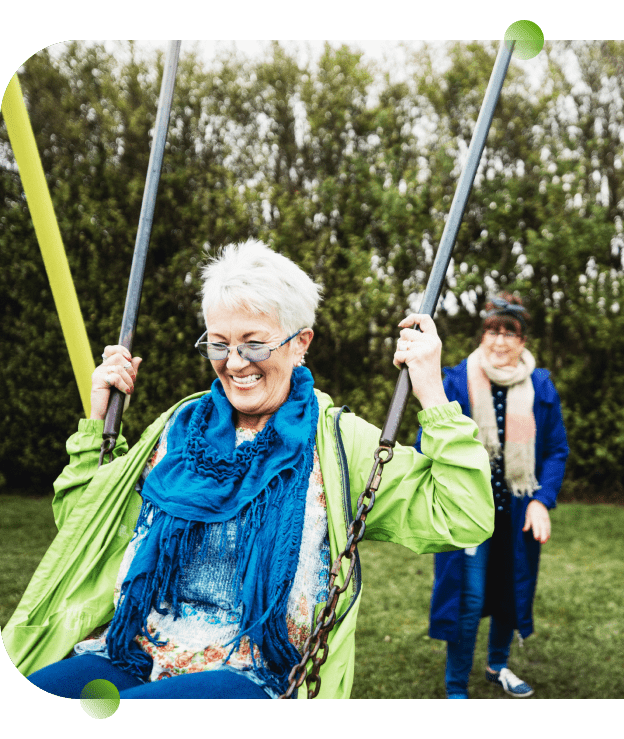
315,647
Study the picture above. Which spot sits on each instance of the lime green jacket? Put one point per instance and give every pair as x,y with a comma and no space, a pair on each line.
432,502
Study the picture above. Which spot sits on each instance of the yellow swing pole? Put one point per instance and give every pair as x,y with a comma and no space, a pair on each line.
49,237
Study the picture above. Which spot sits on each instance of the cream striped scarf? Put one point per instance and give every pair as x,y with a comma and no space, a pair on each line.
519,452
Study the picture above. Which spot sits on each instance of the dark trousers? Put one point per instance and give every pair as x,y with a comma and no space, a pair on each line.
459,655
68,677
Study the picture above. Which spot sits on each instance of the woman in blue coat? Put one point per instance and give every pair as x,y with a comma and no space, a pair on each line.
518,412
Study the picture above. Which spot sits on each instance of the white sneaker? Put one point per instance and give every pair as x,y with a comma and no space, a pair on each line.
510,683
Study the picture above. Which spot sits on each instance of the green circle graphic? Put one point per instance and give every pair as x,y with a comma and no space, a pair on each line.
528,37
100,698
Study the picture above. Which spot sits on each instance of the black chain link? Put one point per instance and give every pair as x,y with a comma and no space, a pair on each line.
107,448
315,647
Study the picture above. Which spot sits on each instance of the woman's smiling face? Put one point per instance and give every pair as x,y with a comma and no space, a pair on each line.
502,347
255,389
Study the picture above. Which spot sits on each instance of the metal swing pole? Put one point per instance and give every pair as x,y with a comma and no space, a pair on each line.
48,234
315,647
114,411
433,289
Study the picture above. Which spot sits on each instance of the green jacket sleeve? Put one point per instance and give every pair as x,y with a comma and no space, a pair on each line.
431,502
83,448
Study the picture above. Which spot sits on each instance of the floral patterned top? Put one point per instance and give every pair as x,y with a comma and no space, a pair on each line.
197,641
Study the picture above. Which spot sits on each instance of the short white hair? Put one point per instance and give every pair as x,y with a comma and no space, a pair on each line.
251,275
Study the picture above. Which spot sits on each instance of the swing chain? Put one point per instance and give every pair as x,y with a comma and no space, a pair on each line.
315,647
107,447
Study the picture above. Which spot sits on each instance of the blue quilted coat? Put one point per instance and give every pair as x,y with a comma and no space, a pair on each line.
509,593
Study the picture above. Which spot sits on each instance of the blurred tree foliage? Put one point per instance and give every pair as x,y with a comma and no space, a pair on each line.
349,172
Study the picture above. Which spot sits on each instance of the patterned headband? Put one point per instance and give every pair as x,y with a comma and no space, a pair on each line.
504,308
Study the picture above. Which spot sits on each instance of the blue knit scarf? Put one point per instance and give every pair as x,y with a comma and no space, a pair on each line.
204,479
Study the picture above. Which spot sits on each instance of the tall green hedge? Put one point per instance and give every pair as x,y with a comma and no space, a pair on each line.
350,173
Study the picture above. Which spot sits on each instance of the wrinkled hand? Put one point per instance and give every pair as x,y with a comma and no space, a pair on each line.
537,518
421,351
119,370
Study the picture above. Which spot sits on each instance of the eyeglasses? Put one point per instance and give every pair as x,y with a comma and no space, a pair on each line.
254,351
507,335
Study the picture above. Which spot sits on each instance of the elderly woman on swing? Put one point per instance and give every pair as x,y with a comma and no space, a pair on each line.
208,584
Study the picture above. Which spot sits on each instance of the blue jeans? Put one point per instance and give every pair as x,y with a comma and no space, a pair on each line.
68,677
459,655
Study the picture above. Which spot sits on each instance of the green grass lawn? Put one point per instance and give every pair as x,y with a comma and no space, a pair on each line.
577,650
26,531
